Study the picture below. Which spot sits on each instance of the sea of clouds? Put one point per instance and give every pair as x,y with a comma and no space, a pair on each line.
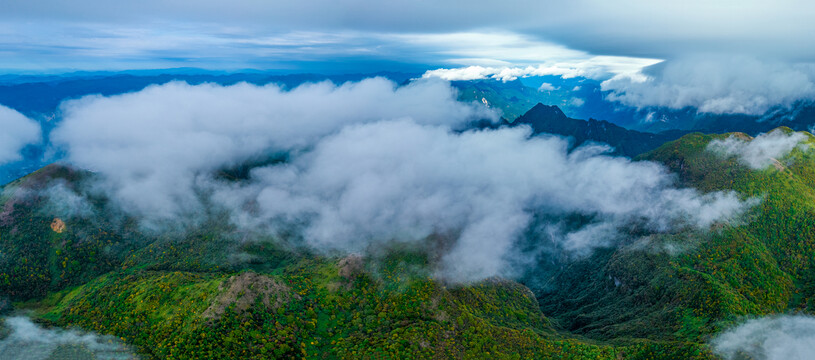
367,163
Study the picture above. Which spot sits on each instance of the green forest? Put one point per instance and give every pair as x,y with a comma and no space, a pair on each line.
202,294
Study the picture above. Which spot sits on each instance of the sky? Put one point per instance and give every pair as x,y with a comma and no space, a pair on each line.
729,56
354,177
96,34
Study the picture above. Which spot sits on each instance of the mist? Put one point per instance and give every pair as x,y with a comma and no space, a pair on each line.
16,131
789,337
152,145
716,84
761,151
398,180
368,164
28,341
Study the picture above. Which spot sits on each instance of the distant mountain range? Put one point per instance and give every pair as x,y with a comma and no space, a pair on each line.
630,131
209,293
551,120
39,97
582,98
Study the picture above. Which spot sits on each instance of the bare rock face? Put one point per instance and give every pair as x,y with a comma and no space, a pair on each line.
351,266
244,289
58,226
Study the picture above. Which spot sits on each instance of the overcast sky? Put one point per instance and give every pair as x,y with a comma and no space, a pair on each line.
96,34
754,55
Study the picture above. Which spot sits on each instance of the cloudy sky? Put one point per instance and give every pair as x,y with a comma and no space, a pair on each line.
95,34
726,56
359,148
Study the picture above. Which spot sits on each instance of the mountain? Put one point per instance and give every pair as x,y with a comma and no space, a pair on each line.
579,97
551,120
799,116
584,98
687,286
512,98
39,97
200,294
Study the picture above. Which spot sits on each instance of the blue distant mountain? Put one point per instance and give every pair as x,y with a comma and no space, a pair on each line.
39,96
582,98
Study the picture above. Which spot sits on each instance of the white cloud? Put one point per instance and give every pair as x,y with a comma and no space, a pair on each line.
16,131
508,56
576,88
762,151
715,84
369,162
478,48
576,102
595,67
790,337
402,181
547,87
152,144
29,341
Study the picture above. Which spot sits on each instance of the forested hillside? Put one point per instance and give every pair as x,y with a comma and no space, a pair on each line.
208,294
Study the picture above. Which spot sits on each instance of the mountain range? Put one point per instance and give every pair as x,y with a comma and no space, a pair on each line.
656,295
217,290
549,119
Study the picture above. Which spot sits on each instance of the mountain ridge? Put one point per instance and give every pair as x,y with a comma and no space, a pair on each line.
550,119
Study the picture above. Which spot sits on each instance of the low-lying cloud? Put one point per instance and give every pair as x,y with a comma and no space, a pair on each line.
398,180
16,131
151,145
790,337
761,151
26,340
371,163
716,84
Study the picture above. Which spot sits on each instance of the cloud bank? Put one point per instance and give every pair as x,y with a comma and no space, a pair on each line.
593,67
716,84
370,163
399,180
789,337
762,151
152,144
16,131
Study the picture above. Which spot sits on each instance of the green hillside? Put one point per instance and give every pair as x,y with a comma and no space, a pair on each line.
648,289
206,294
